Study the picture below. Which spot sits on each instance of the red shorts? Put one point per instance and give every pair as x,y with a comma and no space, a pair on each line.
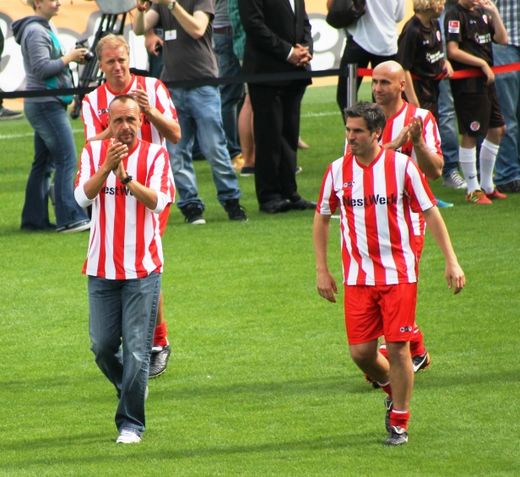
373,311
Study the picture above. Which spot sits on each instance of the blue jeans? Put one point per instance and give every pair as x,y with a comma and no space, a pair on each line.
230,94
53,146
124,312
448,129
507,167
199,115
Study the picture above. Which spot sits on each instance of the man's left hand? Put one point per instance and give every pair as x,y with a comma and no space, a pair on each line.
415,129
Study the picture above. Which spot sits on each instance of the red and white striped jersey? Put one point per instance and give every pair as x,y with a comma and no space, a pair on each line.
94,109
431,137
125,239
396,123
377,243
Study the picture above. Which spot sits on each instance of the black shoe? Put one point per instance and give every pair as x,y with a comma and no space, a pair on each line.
275,206
6,114
32,228
159,361
302,204
79,226
397,436
513,186
235,211
193,214
421,362
247,171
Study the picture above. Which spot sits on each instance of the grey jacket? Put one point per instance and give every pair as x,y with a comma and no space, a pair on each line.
42,55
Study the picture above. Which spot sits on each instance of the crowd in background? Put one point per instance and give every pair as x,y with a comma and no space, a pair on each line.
369,41
142,136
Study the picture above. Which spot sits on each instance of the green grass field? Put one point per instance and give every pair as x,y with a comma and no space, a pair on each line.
260,382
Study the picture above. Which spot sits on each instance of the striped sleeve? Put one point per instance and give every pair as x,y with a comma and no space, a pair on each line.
327,200
161,180
85,171
431,135
417,189
91,120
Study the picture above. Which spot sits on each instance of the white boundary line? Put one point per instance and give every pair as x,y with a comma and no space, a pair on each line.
29,134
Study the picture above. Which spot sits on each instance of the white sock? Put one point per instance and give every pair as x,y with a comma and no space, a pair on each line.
468,165
488,155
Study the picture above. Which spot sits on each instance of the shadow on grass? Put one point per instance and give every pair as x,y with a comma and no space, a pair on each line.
349,383
330,385
348,440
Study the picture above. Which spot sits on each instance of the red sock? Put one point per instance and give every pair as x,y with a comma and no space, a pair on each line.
417,347
386,388
160,336
399,418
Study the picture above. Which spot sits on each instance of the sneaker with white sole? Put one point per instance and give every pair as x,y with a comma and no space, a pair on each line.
159,360
193,214
454,180
421,362
128,436
397,436
6,114
79,226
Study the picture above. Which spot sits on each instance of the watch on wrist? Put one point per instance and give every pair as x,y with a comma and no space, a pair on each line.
126,180
171,5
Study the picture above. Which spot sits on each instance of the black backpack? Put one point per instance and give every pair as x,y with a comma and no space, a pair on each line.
344,13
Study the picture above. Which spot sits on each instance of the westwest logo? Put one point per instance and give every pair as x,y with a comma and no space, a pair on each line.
372,199
118,190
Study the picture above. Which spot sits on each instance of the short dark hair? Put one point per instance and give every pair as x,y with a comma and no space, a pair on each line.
370,112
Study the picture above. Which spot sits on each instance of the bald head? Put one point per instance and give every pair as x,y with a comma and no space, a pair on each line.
388,81
390,69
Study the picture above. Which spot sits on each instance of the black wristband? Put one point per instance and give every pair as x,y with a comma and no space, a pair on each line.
126,180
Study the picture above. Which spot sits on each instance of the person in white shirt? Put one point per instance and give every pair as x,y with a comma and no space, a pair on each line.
372,39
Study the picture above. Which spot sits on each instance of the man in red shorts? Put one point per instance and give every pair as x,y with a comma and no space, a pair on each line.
374,189
412,131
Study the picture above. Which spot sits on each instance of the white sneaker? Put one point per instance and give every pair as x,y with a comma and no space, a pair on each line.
454,180
128,436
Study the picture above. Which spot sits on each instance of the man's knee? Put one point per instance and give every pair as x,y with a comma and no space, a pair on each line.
398,351
363,354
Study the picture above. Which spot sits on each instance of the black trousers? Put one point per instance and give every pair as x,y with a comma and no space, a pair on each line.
276,125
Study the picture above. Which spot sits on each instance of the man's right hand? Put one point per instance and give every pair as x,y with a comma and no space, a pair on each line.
326,285
153,43
115,153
